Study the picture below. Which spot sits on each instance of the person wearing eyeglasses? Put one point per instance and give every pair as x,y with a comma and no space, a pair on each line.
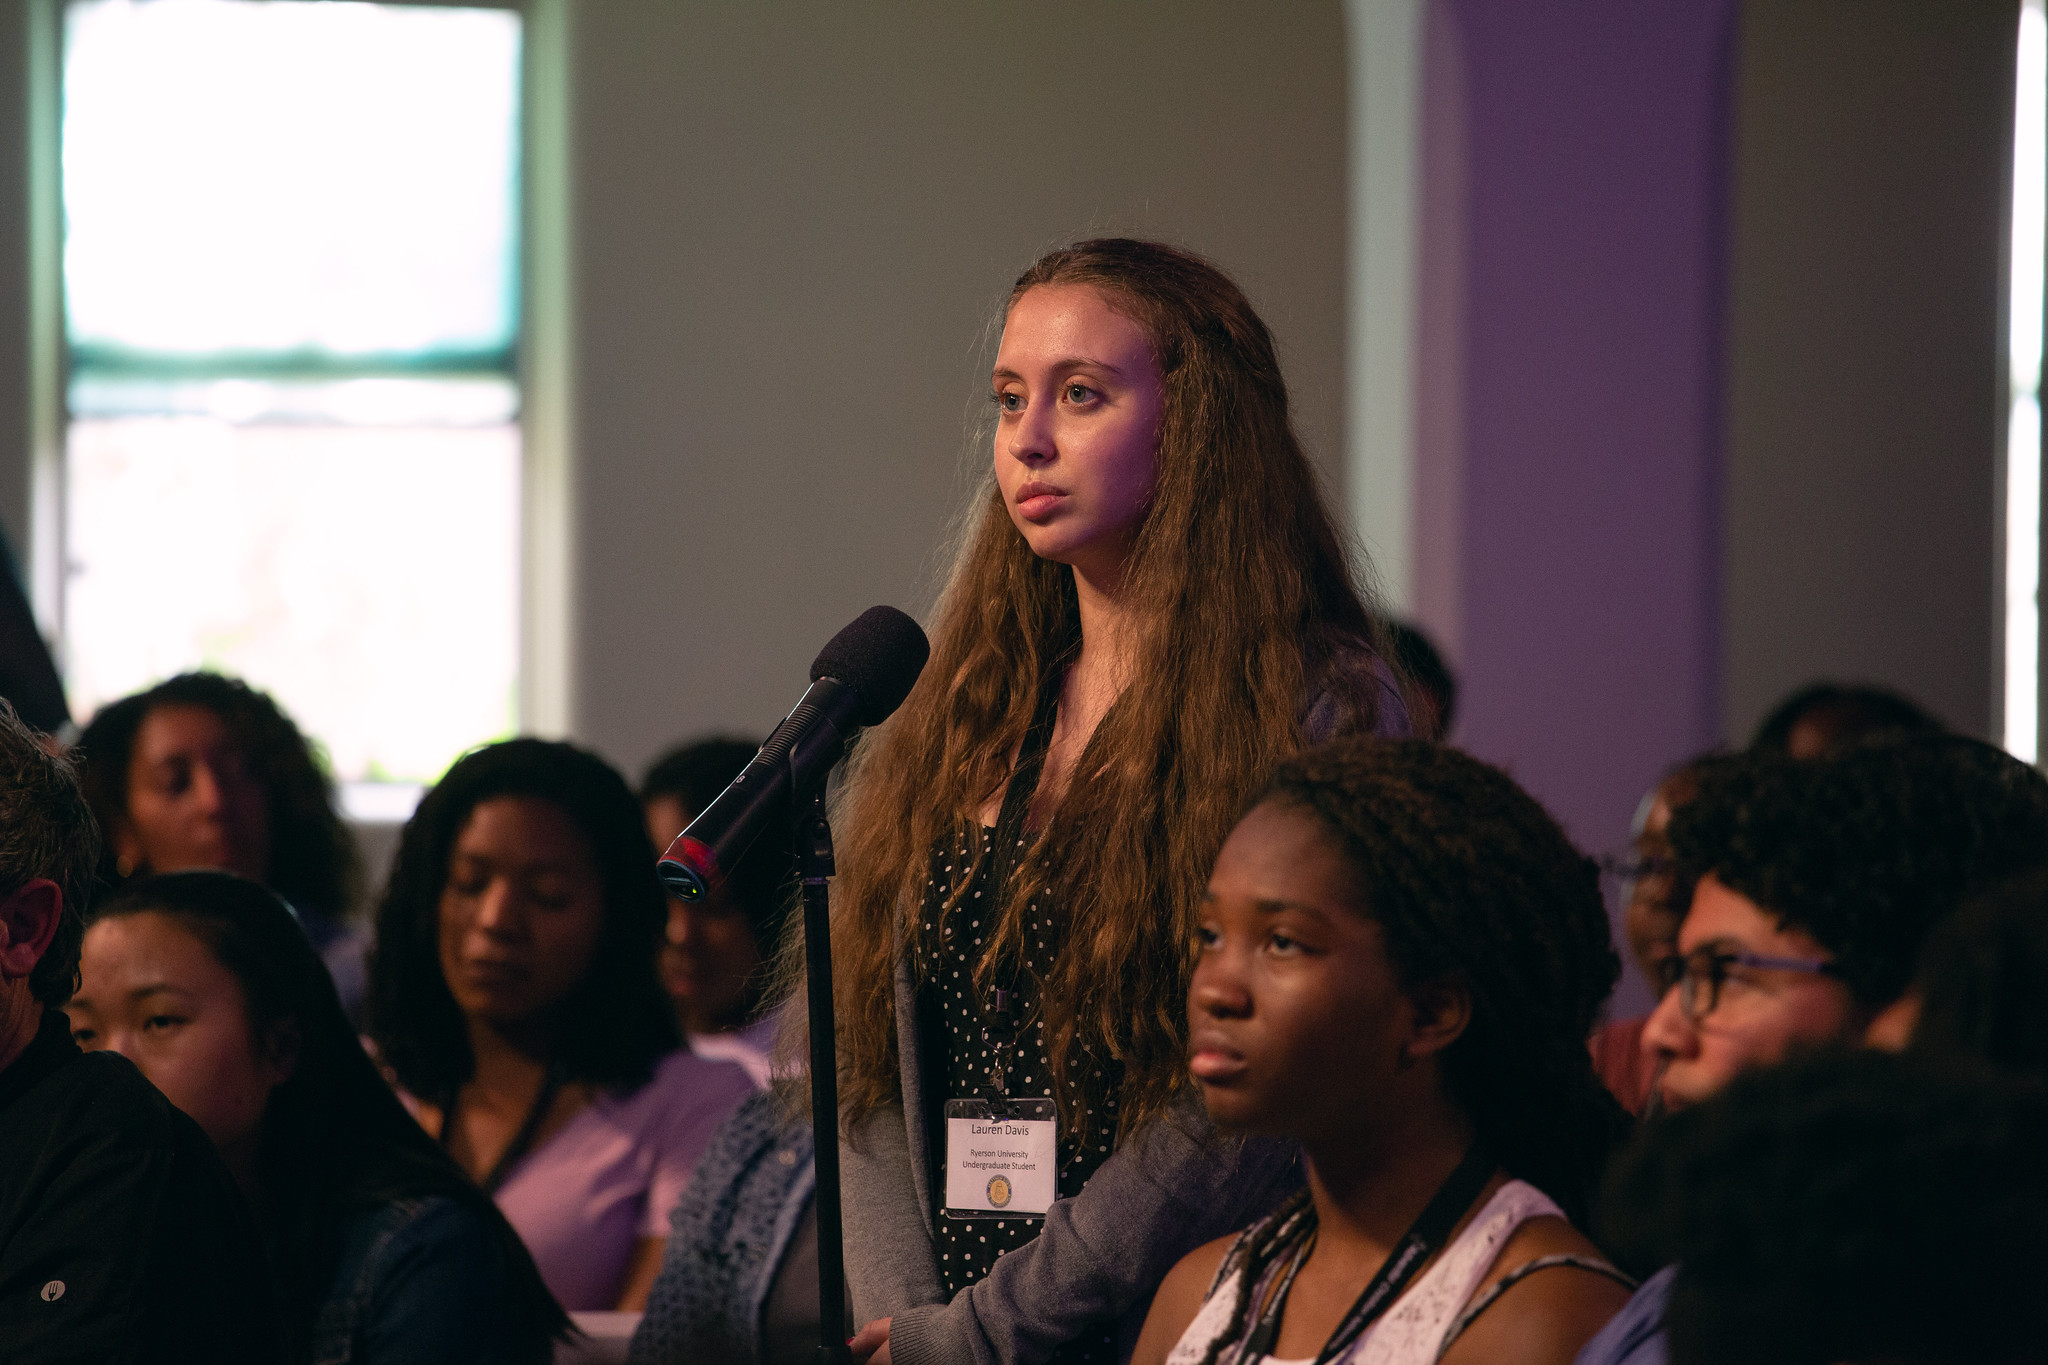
1807,890
1812,887
1649,921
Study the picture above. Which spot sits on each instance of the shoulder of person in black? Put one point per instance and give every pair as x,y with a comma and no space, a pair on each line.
122,1235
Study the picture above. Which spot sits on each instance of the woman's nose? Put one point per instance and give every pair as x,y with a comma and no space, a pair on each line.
1031,437
497,909
1218,988
207,792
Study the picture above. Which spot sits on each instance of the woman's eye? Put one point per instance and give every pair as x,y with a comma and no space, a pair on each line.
1079,393
81,1036
1207,936
1284,944
158,1023
1008,402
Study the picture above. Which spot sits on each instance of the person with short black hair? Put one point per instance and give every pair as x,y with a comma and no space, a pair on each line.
1813,885
1822,719
122,1236
382,1249
1808,888
513,994
716,953
1861,1207
203,770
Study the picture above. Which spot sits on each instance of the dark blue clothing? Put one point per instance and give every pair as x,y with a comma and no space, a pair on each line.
418,1280
738,1225
1635,1336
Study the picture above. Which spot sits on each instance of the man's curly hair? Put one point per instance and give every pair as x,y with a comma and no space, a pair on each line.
1862,1206
1865,851
1470,879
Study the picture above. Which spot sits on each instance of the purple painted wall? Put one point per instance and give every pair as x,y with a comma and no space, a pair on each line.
1567,520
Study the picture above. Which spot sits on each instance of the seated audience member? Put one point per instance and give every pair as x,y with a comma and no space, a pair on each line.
739,1282
1813,886
1856,1208
1982,985
206,771
514,997
1432,689
1400,956
122,1236
1650,922
1823,719
716,954
381,1249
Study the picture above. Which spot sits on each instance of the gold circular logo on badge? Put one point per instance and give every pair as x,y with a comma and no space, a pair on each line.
999,1191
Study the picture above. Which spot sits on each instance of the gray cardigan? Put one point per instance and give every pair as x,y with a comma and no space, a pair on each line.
1168,1188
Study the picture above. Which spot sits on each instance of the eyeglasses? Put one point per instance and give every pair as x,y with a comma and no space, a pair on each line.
1628,867
1700,974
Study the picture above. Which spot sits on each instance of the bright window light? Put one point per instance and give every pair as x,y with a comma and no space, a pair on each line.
329,178
2023,429
360,574
290,269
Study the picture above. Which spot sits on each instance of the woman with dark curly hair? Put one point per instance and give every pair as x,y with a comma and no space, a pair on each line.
380,1248
205,771
1398,961
513,995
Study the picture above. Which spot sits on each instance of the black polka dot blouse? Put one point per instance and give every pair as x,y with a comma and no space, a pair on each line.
950,1015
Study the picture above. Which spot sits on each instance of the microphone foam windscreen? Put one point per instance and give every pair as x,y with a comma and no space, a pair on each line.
879,656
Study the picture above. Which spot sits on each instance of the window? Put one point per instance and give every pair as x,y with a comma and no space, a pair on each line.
291,272
2023,425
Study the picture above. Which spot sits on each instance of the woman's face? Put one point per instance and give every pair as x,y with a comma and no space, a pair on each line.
710,961
150,991
521,912
192,799
1077,440
1298,1023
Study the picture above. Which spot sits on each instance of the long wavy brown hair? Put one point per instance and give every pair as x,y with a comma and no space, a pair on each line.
1248,612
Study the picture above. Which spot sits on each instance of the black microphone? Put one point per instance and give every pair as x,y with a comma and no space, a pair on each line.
858,679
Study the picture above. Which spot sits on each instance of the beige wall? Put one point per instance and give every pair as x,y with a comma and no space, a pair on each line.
1865,407
791,225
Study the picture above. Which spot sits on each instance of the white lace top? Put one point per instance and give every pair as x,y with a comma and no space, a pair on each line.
1412,1331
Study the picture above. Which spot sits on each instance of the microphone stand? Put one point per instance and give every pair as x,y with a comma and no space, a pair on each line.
814,856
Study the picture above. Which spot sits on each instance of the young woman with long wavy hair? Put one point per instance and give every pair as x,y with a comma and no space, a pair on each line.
1152,609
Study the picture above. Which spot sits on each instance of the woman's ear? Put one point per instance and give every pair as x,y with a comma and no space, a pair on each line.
281,1050
1440,1011
129,857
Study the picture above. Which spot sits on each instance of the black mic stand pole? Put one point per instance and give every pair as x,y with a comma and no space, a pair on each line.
814,854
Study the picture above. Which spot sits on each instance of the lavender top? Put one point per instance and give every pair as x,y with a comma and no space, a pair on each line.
614,1172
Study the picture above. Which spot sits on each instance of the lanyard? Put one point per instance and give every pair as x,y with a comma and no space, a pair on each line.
522,1141
1448,1205
999,1021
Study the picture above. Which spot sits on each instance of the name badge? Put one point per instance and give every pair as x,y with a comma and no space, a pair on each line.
1004,1167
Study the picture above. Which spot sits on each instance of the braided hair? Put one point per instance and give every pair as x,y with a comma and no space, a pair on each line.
1471,880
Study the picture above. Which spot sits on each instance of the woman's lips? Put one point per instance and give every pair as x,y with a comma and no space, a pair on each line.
491,976
1213,1060
1038,501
